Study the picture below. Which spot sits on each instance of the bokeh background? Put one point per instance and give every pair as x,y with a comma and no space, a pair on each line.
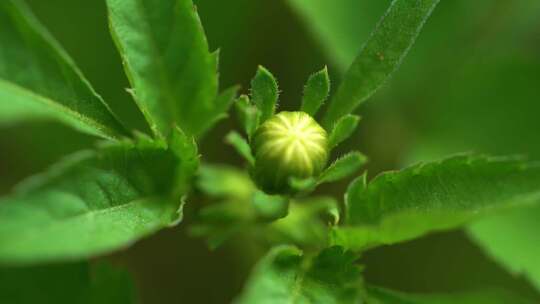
470,83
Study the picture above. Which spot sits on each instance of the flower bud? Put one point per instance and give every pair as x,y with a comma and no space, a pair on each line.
289,144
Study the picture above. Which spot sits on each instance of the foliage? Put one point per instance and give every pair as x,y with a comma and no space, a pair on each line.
57,227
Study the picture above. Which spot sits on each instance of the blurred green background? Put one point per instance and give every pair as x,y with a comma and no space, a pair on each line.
471,83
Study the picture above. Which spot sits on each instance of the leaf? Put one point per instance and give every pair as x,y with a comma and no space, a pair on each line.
512,240
285,275
489,296
270,207
39,80
307,223
315,92
224,181
221,106
264,93
66,283
343,167
241,145
248,114
380,56
94,202
342,130
166,57
402,205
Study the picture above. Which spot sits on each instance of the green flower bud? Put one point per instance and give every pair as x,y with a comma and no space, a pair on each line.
289,144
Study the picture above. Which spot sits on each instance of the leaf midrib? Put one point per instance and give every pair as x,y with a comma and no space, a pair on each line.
166,81
34,96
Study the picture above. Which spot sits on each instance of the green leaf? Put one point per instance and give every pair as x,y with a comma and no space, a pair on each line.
285,275
166,57
95,202
270,207
343,129
343,167
307,223
248,114
224,181
380,56
221,106
264,93
379,295
39,80
512,240
402,205
315,92
241,146
66,283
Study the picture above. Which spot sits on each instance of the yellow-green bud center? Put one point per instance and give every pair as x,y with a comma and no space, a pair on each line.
289,144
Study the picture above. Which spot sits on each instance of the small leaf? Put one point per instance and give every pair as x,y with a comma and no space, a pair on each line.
343,167
303,184
241,145
93,203
354,189
379,295
39,80
343,129
270,207
224,181
380,56
315,92
402,205
285,275
307,224
248,114
221,106
167,61
264,93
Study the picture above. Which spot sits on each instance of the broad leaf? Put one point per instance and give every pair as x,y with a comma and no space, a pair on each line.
403,205
315,92
95,202
380,56
512,239
343,129
38,80
492,296
166,57
264,92
285,275
66,283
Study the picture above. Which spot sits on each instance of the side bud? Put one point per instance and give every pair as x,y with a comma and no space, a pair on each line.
289,144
